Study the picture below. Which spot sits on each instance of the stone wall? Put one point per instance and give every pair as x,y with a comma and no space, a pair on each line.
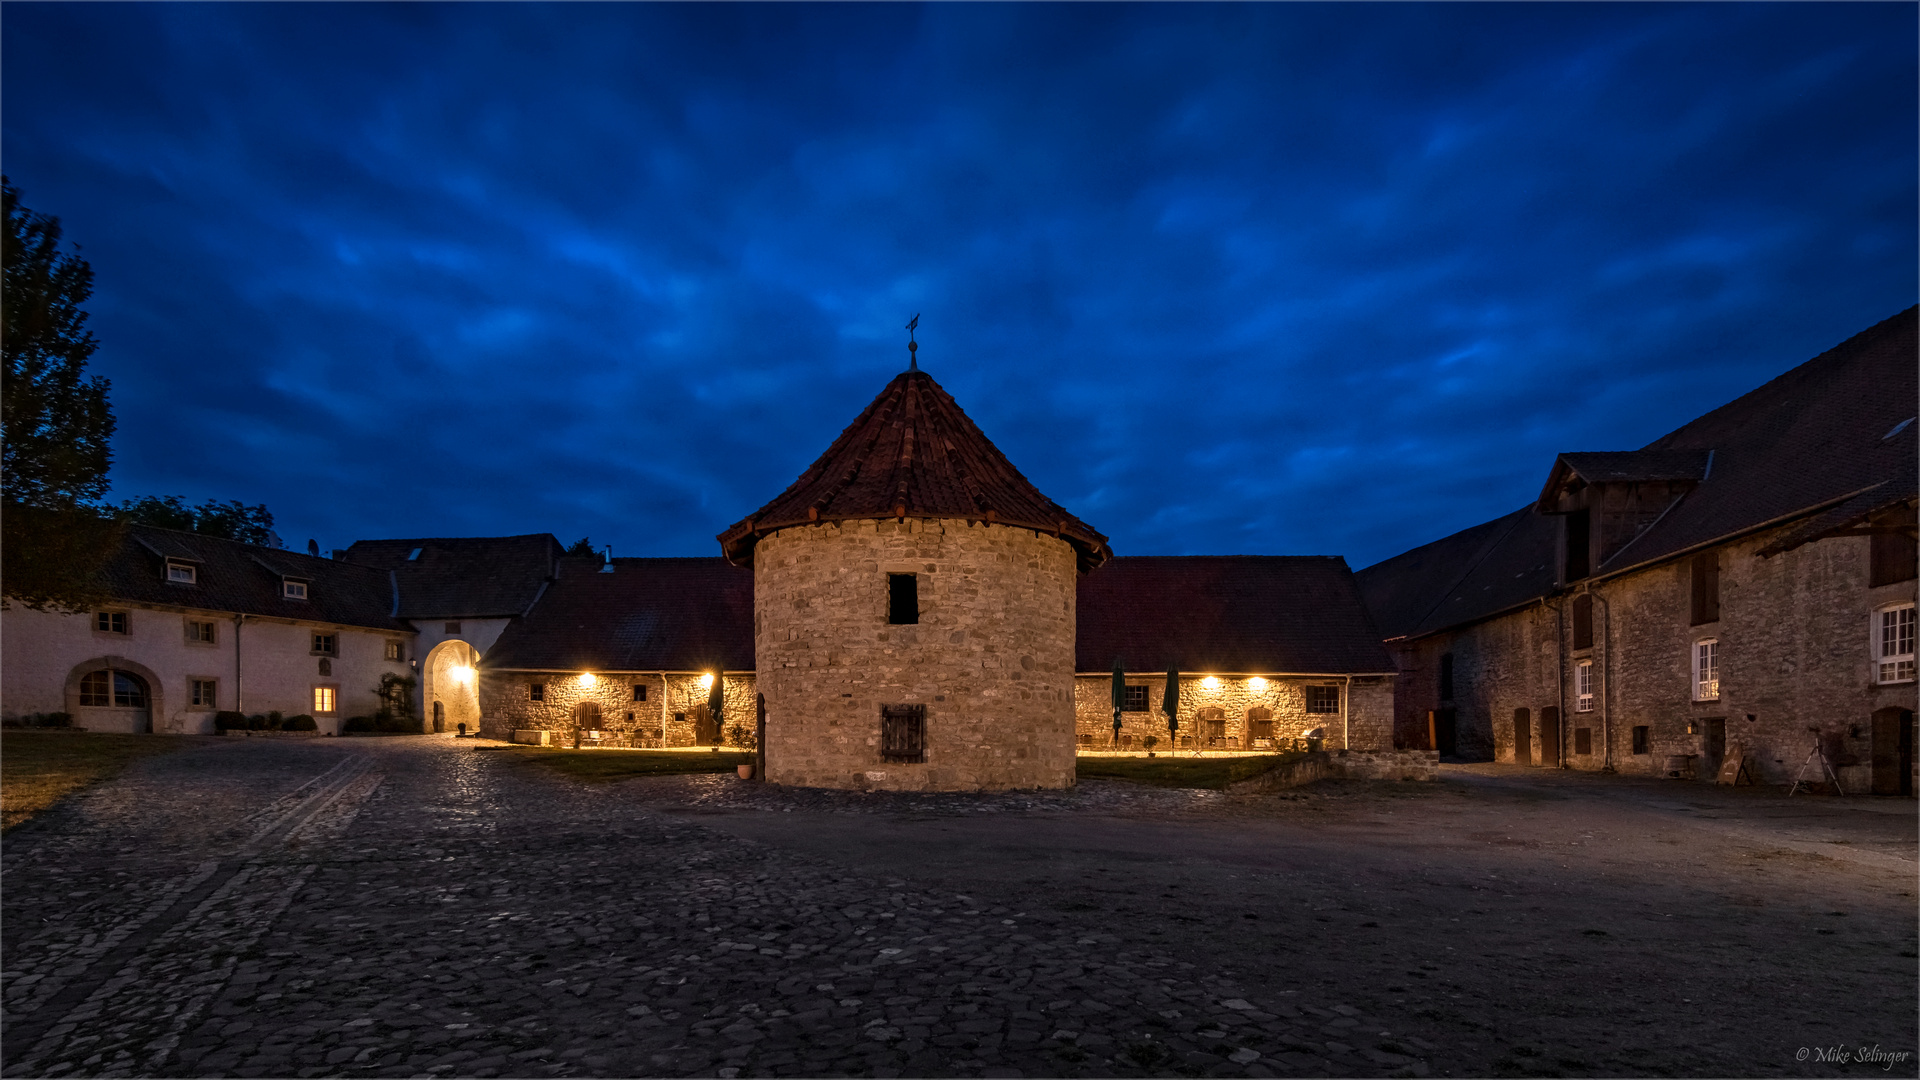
675,700
991,658
1366,710
1795,652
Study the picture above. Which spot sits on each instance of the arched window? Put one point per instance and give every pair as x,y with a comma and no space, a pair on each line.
586,716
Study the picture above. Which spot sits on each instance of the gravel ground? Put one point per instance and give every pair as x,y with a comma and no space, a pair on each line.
427,907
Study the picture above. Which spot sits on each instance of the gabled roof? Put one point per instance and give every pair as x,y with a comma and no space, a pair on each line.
646,615
1226,613
246,579
472,577
913,453
1623,466
1825,436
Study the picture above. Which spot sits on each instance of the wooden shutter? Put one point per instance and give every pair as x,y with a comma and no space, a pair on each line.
903,733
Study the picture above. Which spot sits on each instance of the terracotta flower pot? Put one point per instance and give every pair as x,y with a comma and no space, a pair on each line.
745,771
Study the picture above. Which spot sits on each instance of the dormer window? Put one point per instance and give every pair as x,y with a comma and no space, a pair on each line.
414,555
293,588
182,573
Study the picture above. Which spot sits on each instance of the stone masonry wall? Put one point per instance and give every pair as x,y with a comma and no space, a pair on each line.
1368,715
507,705
991,658
1795,652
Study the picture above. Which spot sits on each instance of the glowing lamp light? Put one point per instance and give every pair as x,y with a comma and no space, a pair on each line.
1210,683
1257,683
461,674
706,681
587,679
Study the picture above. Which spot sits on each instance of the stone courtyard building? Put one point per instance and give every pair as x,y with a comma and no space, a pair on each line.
914,609
1703,600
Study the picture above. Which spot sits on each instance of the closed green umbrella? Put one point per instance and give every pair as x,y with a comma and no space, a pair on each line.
1119,696
716,705
1170,704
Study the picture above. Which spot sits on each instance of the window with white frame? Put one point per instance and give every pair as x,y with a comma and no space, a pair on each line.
182,573
1893,644
1706,670
1583,686
293,588
203,693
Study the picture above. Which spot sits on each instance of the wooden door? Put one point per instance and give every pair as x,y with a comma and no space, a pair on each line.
706,730
1522,737
1893,751
1716,749
1550,736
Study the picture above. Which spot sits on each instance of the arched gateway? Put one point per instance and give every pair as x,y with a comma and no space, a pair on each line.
914,609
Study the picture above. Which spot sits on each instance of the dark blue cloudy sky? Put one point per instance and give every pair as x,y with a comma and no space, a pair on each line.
1219,279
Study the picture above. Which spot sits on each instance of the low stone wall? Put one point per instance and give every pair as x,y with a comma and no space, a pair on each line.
1386,764
1301,770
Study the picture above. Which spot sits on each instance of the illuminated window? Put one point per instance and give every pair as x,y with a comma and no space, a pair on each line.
293,590
1706,670
201,632
1893,644
182,573
326,644
203,693
1323,699
323,699
1583,686
396,650
1135,700
110,622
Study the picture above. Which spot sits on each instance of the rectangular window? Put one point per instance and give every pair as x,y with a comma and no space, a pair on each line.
1893,644
203,693
397,650
537,691
1640,741
1706,588
903,599
323,700
1578,529
110,622
1136,699
1323,699
182,573
1706,670
1583,740
202,633
293,590
1583,621
1583,686
326,644
639,691
1892,556
903,732
96,689
452,628
1446,676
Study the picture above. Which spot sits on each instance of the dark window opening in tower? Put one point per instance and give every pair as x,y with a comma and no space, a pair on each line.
903,599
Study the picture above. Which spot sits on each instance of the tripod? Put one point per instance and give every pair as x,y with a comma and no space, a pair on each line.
1826,768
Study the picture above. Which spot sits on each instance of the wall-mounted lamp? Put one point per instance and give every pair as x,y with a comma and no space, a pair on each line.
1210,683
587,679
1257,683
706,681
461,674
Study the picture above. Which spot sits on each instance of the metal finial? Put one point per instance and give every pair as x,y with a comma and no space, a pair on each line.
913,347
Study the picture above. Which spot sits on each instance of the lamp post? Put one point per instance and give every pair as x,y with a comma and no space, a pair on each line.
1119,698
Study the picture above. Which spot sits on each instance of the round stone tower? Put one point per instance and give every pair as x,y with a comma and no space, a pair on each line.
913,604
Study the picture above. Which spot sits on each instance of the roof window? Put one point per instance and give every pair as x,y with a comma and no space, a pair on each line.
415,554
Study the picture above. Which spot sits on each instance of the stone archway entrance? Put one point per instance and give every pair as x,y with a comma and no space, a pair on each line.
112,695
451,686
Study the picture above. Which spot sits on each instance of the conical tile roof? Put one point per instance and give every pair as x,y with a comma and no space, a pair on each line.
914,453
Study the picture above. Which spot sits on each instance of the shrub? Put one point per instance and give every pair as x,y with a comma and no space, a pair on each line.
398,724
357,723
303,722
41,719
228,720
274,720
256,722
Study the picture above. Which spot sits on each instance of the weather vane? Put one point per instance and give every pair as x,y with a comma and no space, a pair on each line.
913,361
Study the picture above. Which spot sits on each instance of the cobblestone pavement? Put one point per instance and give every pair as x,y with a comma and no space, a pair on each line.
423,907
427,907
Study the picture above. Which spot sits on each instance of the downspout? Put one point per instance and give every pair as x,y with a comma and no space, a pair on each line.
1560,682
1346,715
1606,673
239,692
663,710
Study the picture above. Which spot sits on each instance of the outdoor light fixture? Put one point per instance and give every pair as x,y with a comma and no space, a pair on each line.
1210,683
462,674
706,681
587,679
1257,683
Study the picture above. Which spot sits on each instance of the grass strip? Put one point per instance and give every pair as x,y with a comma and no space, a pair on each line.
39,768
1179,772
604,766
